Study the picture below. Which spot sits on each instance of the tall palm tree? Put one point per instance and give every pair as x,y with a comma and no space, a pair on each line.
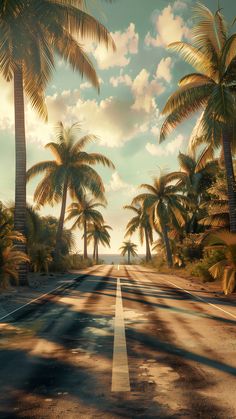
32,34
129,248
141,223
100,235
84,211
164,202
70,171
211,89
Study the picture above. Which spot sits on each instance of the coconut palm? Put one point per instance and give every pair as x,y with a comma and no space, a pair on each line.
129,248
211,89
32,35
216,206
225,269
164,202
196,184
71,171
84,211
141,223
98,233
10,257
40,257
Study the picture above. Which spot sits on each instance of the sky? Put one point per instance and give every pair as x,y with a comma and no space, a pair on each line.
135,81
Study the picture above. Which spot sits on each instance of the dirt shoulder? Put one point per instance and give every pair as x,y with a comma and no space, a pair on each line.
16,296
194,283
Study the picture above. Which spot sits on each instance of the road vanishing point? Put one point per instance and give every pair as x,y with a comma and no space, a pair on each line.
120,342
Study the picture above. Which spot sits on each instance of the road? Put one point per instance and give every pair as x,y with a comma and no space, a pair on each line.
123,342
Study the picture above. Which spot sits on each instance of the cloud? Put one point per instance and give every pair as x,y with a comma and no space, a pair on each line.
115,121
87,85
118,184
179,5
163,69
144,91
169,28
121,79
170,148
126,45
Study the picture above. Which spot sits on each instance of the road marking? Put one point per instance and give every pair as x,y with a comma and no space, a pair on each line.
120,368
203,299
35,299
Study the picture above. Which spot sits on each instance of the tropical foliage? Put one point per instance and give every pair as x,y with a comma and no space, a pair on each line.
141,223
210,89
32,35
71,171
84,212
165,204
98,234
130,249
225,269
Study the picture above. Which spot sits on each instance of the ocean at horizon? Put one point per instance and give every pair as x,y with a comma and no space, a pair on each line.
118,259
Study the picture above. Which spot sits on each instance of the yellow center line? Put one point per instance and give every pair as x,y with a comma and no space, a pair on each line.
120,368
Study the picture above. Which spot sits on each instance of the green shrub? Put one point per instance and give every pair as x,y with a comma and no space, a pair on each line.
200,269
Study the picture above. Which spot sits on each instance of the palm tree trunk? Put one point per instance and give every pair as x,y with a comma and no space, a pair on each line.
97,254
128,257
167,246
94,250
20,174
61,221
85,240
148,252
230,178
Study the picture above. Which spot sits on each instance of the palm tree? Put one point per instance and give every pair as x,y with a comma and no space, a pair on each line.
164,202
196,184
211,89
84,211
100,235
129,248
10,257
216,206
70,171
225,269
32,34
140,222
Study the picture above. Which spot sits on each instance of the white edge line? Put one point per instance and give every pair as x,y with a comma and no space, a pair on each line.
32,301
203,299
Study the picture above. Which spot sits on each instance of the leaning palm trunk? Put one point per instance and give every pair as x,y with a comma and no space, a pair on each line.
20,183
61,222
230,178
85,240
167,246
148,252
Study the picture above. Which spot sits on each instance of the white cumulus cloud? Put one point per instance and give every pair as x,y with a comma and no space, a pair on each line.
121,79
170,148
145,90
126,45
164,69
169,28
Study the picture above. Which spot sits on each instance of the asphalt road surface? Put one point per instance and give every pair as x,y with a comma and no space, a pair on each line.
123,342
